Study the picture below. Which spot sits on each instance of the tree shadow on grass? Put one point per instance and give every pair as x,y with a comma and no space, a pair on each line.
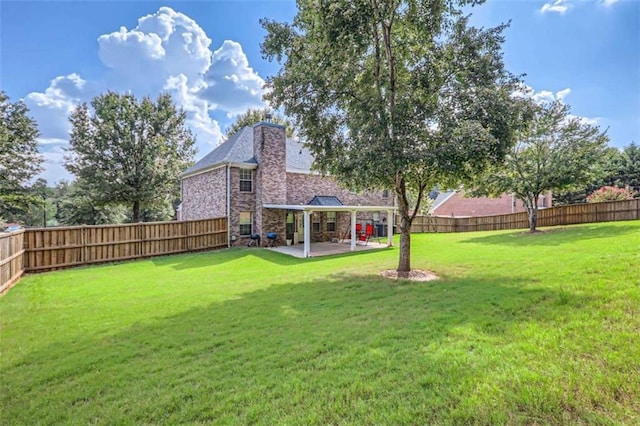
341,349
222,256
556,236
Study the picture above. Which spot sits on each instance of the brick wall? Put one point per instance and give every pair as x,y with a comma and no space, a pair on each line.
240,202
269,148
204,195
301,188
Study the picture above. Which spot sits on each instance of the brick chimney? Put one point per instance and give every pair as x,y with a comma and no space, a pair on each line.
270,151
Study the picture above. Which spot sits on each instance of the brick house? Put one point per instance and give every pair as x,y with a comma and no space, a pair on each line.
263,182
454,203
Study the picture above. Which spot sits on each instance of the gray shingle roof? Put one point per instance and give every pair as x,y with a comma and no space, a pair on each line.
239,149
324,200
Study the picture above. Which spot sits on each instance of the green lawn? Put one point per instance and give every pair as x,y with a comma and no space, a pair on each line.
521,329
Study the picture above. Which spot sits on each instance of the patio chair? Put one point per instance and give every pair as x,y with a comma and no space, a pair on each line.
368,233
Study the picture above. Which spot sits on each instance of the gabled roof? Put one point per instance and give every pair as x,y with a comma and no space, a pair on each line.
238,149
323,200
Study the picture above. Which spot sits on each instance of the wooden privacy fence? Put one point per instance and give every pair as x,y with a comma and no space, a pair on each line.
63,247
11,259
553,216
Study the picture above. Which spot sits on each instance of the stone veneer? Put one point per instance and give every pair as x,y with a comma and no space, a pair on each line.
204,195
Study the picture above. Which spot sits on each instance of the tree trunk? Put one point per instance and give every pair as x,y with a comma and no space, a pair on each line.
532,210
135,217
404,262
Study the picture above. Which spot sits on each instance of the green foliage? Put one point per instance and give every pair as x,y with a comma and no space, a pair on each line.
618,168
629,174
253,116
19,157
129,152
557,152
77,205
610,193
402,95
521,329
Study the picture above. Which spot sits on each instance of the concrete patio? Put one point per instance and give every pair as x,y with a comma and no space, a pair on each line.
328,248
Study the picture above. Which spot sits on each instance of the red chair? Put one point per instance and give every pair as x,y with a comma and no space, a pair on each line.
368,233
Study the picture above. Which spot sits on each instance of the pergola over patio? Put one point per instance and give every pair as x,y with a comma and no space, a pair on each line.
308,209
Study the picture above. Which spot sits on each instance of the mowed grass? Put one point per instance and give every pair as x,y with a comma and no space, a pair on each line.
520,329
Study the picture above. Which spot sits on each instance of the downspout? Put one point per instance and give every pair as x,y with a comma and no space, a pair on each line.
180,214
228,205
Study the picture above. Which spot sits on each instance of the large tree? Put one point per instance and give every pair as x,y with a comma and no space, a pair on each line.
255,115
128,151
557,152
19,157
394,94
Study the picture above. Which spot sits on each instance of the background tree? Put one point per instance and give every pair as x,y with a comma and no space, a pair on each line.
394,94
556,152
629,173
620,168
256,115
129,152
76,206
19,157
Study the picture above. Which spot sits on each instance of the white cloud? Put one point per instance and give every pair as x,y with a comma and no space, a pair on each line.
165,51
557,6
206,130
231,84
563,93
546,96
592,121
51,108
562,6
163,44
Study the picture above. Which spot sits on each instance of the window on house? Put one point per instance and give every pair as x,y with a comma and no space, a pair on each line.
246,180
331,221
315,224
245,223
385,193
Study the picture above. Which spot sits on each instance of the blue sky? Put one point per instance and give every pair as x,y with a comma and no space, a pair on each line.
55,54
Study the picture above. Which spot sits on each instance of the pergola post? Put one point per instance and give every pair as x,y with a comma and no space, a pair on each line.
390,228
307,233
353,230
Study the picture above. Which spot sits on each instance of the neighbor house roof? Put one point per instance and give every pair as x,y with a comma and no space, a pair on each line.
238,149
323,200
441,197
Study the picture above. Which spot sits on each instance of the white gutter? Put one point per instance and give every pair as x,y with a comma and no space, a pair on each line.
217,166
311,208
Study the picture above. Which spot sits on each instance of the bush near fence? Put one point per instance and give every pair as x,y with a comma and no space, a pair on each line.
45,249
552,216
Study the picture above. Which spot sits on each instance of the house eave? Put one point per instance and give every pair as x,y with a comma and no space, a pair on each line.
218,166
